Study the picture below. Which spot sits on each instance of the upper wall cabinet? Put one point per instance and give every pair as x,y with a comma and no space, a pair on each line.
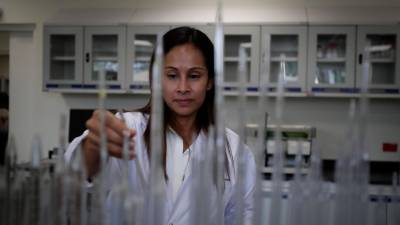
287,45
317,58
247,37
105,53
384,58
142,41
63,47
75,57
331,58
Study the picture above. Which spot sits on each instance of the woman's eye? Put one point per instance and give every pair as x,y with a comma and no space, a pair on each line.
171,76
194,76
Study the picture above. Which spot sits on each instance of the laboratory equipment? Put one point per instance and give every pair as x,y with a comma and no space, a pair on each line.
156,193
294,138
219,110
55,192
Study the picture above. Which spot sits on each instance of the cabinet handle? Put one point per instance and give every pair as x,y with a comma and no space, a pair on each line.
87,57
360,59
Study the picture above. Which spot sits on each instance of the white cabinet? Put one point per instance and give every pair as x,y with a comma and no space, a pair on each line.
63,48
384,64
142,41
247,37
393,210
75,55
105,51
331,58
316,58
287,43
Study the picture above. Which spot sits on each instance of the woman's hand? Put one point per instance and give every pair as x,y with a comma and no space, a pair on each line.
115,130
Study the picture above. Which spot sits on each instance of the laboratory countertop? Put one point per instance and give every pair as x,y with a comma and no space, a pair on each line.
330,188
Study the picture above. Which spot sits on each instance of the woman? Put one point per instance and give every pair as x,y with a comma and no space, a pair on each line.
188,94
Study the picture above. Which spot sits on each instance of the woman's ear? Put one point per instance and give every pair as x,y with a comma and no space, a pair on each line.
210,83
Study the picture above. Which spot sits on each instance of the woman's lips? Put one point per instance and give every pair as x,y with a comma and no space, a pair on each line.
183,102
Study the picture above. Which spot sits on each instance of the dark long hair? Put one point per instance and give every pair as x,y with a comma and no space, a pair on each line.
205,116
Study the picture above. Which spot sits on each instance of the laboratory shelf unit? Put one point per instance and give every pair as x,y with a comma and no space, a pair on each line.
331,59
105,51
87,91
236,37
287,44
62,55
320,60
384,64
142,41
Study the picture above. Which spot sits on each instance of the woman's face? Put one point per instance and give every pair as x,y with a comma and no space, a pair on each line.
185,81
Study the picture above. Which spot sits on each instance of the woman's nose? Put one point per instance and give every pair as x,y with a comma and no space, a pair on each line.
183,86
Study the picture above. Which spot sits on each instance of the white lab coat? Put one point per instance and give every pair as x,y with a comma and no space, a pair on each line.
177,211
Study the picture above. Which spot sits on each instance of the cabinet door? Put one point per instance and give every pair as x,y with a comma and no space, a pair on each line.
287,44
393,209
331,57
105,51
234,38
377,211
62,56
384,65
142,41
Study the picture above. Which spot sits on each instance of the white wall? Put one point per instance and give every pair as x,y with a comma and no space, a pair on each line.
22,91
35,112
